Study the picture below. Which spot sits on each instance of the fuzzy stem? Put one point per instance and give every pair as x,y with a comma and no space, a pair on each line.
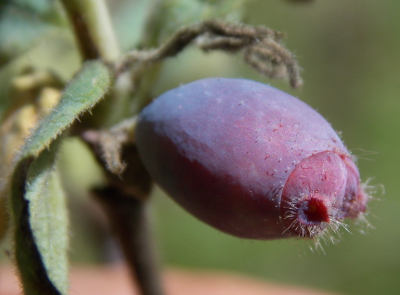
95,36
129,223
93,29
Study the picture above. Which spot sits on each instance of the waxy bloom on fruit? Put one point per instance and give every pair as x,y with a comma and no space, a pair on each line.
249,160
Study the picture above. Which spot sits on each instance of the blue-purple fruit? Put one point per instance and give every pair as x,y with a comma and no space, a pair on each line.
249,160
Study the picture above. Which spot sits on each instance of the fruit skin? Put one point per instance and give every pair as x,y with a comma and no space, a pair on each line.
227,149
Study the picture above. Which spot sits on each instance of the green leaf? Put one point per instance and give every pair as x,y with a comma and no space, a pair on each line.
81,94
48,217
37,200
41,224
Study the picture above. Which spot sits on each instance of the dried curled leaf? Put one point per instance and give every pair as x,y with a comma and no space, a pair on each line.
261,47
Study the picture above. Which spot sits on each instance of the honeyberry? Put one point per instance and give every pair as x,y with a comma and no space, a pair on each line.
249,159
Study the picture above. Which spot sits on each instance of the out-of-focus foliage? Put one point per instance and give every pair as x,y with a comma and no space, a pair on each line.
22,23
169,15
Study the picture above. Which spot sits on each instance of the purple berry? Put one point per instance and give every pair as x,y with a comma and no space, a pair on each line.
249,159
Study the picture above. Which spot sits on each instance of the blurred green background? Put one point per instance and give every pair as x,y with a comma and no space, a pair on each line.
349,51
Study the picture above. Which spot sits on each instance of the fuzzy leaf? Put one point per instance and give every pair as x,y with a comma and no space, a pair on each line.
48,217
37,201
81,94
41,225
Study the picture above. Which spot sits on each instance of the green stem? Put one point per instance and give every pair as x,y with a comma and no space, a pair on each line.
95,36
93,29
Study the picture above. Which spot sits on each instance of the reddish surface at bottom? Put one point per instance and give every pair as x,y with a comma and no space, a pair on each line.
114,280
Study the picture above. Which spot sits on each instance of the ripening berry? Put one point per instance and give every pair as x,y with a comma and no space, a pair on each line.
249,159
